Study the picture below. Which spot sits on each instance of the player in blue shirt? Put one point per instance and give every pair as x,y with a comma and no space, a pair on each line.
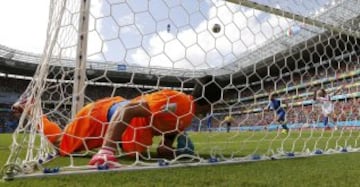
275,105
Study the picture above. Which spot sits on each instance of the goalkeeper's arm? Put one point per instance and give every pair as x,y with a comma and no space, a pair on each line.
165,149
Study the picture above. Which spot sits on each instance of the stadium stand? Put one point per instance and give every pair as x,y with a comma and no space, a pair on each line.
295,87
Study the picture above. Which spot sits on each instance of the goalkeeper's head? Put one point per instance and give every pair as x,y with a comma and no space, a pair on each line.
18,107
207,91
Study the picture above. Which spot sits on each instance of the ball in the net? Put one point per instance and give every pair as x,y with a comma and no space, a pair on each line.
216,28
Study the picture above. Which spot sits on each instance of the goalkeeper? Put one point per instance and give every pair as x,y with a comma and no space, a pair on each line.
107,122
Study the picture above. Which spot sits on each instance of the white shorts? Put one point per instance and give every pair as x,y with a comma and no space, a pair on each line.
327,108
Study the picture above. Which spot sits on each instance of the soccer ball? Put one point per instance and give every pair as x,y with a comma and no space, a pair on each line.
216,28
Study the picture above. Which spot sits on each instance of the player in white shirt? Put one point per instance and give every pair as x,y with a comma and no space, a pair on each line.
327,107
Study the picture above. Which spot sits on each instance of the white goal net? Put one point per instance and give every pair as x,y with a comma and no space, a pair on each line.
287,70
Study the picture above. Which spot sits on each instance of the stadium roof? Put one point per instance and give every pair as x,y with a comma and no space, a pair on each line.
345,13
278,49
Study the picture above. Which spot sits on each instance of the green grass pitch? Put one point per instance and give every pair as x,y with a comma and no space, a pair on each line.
325,170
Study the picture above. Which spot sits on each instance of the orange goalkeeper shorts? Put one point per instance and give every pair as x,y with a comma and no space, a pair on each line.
171,110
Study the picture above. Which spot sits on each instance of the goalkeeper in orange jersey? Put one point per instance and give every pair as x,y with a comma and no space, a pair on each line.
115,122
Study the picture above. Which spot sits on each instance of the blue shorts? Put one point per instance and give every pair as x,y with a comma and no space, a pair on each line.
114,107
281,116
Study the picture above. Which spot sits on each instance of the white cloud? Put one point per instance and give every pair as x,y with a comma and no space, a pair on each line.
210,49
24,27
245,29
24,24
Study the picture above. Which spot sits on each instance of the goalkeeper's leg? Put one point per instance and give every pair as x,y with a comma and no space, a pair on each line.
52,131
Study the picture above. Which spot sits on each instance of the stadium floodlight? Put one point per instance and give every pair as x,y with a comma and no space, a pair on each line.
279,55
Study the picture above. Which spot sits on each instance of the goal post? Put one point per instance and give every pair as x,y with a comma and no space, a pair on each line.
81,57
288,75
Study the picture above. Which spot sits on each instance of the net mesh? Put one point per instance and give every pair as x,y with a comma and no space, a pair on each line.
254,49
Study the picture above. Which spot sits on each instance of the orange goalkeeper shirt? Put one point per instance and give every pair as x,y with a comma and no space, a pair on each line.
172,111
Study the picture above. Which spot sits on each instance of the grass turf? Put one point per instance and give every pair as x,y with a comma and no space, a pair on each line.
326,170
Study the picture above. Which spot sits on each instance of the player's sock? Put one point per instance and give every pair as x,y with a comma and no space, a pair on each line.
285,127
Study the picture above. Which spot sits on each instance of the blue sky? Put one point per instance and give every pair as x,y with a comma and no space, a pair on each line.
135,32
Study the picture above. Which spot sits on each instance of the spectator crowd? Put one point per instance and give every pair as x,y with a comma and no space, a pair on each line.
245,103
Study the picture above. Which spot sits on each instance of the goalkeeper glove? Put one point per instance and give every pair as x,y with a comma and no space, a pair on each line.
104,156
184,145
